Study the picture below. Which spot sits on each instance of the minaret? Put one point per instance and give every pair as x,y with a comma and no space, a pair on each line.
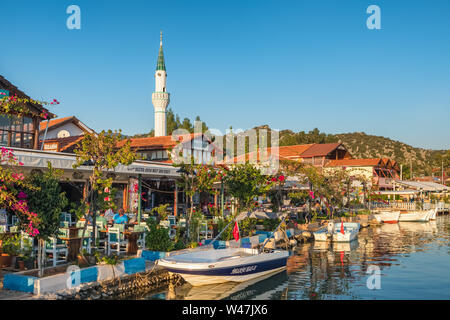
160,97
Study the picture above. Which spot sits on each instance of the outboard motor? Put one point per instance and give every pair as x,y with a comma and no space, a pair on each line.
330,228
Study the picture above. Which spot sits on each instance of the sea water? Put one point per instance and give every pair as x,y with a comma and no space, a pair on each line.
410,259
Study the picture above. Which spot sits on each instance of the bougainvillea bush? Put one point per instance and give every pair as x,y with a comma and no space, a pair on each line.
13,195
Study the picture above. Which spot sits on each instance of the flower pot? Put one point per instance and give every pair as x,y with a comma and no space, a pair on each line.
82,260
5,260
29,264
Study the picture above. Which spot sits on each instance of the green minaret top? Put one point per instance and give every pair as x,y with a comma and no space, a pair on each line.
160,65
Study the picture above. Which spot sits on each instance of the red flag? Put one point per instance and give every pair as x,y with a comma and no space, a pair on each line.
236,231
342,227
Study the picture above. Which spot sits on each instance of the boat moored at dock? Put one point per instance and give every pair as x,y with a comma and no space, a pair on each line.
199,267
338,232
388,216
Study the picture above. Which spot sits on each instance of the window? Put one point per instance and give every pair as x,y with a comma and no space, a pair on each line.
63,134
16,132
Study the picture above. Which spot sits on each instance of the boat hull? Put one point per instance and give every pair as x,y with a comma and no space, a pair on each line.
348,236
200,280
388,216
416,216
237,270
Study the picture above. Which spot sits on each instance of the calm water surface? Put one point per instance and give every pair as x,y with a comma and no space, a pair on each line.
414,259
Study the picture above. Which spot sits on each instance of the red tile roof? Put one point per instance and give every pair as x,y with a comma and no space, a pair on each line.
60,121
354,162
320,149
284,153
52,123
64,144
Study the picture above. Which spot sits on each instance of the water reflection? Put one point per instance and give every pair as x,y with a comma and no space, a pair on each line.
412,256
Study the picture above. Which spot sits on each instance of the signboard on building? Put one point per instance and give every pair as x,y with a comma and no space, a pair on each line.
4,93
51,146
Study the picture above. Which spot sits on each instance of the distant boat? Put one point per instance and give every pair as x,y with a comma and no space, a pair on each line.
388,216
417,216
333,232
433,215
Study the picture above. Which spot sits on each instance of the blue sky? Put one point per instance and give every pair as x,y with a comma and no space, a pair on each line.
289,64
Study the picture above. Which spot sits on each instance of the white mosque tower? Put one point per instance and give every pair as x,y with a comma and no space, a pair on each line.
160,98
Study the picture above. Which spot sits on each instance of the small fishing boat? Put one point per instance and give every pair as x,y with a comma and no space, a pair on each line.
207,265
416,216
388,216
351,230
334,232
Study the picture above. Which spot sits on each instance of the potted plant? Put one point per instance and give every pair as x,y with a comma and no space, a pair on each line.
86,259
10,250
25,260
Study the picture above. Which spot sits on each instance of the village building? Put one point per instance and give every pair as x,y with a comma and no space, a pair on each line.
382,172
20,131
315,154
62,134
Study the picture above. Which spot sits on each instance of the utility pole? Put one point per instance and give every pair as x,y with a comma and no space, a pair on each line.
401,172
443,182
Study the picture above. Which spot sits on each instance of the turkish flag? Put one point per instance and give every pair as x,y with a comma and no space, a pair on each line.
342,227
236,231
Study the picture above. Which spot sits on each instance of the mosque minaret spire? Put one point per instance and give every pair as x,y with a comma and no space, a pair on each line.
160,97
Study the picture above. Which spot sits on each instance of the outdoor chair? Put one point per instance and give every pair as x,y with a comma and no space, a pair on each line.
14,220
144,224
2,229
100,225
116,240
25,238
100,241
80,224
182,222
141,238
119,226
58,249
13,229
66,217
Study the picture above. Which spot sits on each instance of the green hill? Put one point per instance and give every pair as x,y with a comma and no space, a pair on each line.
362,145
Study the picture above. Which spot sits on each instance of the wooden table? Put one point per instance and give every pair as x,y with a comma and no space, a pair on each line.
132,237
73,247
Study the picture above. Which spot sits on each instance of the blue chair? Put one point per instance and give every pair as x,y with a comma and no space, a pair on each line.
116,239
119,226
58,249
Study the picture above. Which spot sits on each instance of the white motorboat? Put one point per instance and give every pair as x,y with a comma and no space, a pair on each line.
199,267
333,232
388,216
351,230
417,216
206,265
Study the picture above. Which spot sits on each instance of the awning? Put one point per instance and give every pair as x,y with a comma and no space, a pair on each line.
424,186
397,192
65,161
